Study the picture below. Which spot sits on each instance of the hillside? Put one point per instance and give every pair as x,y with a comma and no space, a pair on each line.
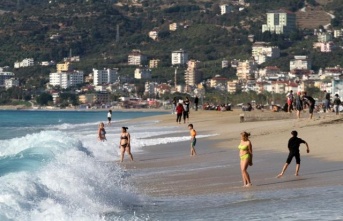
88,29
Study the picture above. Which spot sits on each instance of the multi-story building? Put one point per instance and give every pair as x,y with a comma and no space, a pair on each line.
337,33
179,57
324,37
5,76
280,22
246,70
233,86
224,9
154,63
192,75
225,63
142,73
218,81
106,76
173,26
300,62
27,62
136,58
150,88
66,79
262,51
12,82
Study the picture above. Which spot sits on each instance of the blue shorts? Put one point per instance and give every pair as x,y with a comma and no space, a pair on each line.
194,141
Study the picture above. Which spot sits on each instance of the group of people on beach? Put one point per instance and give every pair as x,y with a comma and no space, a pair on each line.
246,155
181,108
245,148
303,100
124,143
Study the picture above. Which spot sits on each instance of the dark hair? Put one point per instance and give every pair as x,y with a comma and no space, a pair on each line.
190,125
125,128
294,133
336,95
245,134
110,111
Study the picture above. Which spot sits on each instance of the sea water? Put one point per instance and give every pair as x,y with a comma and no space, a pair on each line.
52,167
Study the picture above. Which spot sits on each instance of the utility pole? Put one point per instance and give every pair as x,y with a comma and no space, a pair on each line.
175,81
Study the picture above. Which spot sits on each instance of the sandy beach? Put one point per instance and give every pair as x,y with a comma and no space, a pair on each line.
168,170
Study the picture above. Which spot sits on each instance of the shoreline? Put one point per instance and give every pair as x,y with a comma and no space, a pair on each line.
168,170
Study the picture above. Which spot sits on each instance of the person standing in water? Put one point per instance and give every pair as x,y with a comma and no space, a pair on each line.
293,147
101,132
245,153
193,139
109,117
124,144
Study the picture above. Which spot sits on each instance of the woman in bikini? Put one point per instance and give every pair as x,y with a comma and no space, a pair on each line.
102,132
245,153
125,143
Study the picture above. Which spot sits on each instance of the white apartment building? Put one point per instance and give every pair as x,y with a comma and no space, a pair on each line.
233,86
150,88
324,37
280,22
153,35
66,79
224,9
106,76
12,82
142,73
192,75
179,57
262,51
5,76
246,70
27,62
136,58
300,62
337,33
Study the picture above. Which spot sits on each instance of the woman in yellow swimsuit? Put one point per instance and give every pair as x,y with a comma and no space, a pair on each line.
245,153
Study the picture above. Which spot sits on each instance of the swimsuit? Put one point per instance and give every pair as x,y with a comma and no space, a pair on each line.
124,138
244,147
194,140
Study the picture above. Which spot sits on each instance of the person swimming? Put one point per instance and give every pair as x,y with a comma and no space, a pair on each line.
245,154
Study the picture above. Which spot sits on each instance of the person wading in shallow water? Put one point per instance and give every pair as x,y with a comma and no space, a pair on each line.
125,145
293,146
245,153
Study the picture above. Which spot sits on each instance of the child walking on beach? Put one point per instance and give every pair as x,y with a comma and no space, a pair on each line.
193,139
293,146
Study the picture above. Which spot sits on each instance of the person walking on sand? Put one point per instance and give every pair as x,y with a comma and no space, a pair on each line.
298,104
174,103
193,139
337,102
109,117
179,111
124,144
185,112
245,153
310,103
290,98
101,132
293,147
196,103
327,101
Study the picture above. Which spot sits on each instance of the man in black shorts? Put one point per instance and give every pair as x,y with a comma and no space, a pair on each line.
310,103
293,146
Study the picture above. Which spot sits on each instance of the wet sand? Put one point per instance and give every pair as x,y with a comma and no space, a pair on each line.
168,170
